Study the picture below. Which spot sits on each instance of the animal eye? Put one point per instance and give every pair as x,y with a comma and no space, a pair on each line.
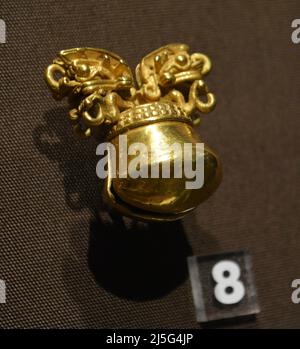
181,59
83,70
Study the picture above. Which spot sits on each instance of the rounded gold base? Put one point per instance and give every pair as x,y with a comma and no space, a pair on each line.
161,199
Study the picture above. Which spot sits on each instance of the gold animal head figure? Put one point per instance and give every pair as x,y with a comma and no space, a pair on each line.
159,109
169,66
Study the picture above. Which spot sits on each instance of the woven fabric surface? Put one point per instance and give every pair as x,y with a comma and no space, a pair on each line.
68,266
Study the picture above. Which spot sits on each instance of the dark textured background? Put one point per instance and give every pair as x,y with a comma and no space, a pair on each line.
66,267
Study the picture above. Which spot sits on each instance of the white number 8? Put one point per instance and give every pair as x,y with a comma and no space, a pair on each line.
229,289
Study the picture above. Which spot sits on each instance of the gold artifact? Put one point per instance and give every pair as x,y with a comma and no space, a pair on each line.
159,108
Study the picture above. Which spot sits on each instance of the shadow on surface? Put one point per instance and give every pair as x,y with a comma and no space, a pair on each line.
75,157
138,260
130,259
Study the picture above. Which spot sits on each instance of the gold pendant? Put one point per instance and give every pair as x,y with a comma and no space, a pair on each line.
159,109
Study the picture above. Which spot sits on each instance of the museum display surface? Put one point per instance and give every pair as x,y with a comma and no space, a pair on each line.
79,251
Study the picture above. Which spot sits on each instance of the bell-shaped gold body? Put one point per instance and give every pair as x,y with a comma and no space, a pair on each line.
160,199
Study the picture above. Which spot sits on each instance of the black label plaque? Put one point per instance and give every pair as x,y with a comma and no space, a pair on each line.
223,286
